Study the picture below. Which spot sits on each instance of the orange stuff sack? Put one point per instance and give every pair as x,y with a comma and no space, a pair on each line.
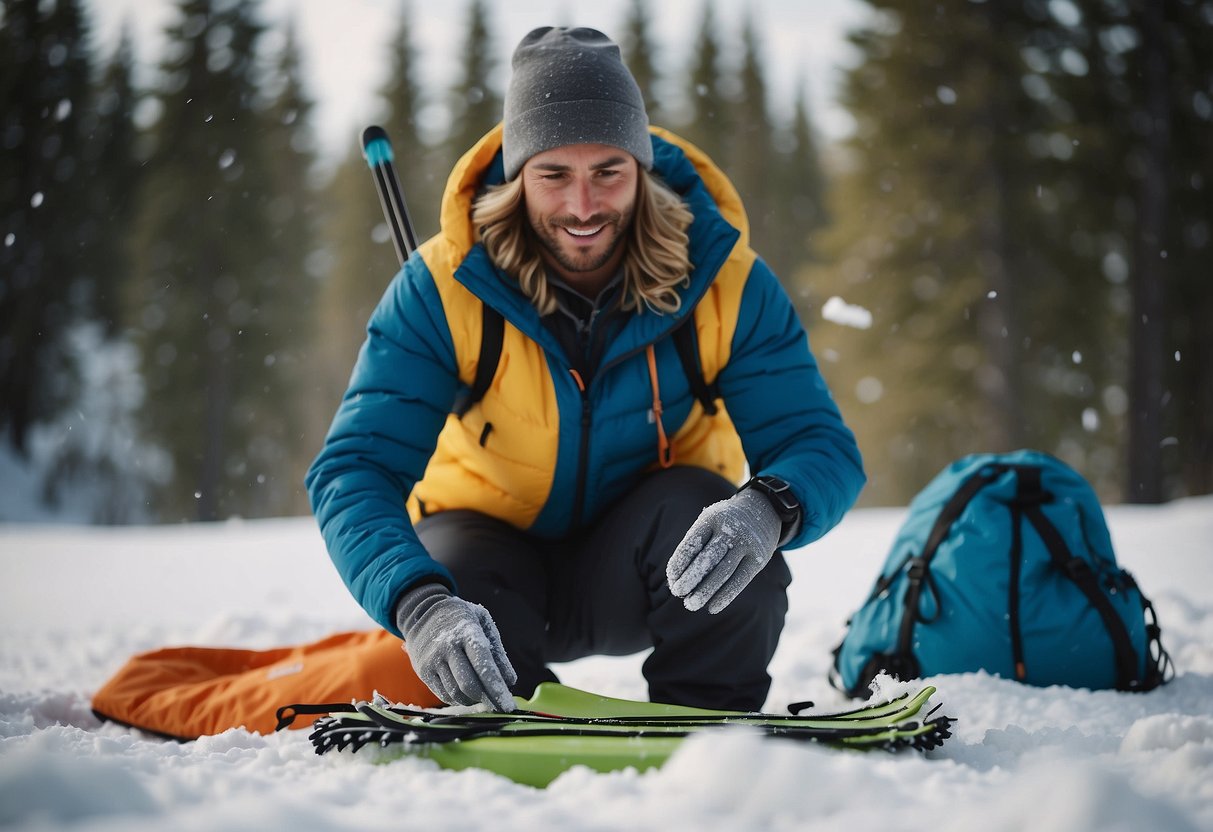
187,692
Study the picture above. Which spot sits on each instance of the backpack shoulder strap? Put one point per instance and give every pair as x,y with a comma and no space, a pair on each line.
492,334
900,661
920,566
687,344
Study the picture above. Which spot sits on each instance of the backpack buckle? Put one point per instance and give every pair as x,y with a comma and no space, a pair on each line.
1077,568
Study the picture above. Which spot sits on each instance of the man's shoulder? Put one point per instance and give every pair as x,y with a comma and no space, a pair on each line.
733,275
449,267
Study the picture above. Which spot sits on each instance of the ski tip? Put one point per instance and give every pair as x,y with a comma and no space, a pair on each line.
376,146
373,134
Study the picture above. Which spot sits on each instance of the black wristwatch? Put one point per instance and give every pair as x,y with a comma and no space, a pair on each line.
785,503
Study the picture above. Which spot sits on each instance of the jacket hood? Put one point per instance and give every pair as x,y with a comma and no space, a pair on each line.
719,228
683,166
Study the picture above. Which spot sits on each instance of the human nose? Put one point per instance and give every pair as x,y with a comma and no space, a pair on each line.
581,199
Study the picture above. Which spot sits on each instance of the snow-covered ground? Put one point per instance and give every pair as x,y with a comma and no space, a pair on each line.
75,602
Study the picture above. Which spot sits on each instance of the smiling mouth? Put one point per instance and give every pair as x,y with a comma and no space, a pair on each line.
584,232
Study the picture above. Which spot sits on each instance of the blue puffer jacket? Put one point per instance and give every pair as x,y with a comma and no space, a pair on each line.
538,451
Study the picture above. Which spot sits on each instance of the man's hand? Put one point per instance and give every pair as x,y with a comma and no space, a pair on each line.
725,548
455,648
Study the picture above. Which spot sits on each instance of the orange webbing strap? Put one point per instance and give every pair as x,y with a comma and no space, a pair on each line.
665,451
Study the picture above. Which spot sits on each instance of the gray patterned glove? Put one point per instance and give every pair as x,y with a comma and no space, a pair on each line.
724,549
455,648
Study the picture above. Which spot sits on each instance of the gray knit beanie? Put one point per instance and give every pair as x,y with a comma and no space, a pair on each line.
570,86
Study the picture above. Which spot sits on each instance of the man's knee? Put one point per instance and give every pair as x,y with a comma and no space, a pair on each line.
665,505
720,660
684,489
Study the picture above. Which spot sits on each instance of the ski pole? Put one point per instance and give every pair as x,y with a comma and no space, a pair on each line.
377,150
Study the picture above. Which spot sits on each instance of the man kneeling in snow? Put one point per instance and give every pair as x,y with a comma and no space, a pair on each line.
586,502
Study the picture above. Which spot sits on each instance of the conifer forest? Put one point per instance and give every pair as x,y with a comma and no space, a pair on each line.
1023,210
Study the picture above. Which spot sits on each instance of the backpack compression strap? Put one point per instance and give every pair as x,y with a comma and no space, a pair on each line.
901,662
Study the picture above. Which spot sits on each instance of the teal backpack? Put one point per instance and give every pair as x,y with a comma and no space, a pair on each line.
1005,564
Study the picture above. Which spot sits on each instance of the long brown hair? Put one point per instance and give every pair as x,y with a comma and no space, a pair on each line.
655,263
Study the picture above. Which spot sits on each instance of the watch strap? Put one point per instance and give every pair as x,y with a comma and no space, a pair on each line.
786,506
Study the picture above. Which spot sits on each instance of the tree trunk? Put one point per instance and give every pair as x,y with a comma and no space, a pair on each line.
214,450
1150,269
996,312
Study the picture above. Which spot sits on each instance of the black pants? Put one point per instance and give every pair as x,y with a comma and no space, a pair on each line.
603,592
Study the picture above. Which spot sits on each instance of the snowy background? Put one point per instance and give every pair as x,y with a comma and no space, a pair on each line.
77,602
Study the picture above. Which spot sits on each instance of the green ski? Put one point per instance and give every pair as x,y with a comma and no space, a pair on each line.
560,727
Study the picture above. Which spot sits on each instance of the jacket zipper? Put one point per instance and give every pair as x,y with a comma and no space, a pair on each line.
583,451
583,454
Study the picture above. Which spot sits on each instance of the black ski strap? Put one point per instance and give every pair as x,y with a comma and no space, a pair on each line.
287,713
1128,677
686,343
492,334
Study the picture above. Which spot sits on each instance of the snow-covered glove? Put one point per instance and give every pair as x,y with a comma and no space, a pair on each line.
724,549
455,648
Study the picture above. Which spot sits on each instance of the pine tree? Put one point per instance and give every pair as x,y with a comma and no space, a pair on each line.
637,47
44,88
707,122
419,165
935,238
1061,323
1149,276
207,280
1046,163
113,171
1166,114
1131,77
475,102
750,155
358,237
1084,300
288,284
803,185
362,265
800,212
1188,354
